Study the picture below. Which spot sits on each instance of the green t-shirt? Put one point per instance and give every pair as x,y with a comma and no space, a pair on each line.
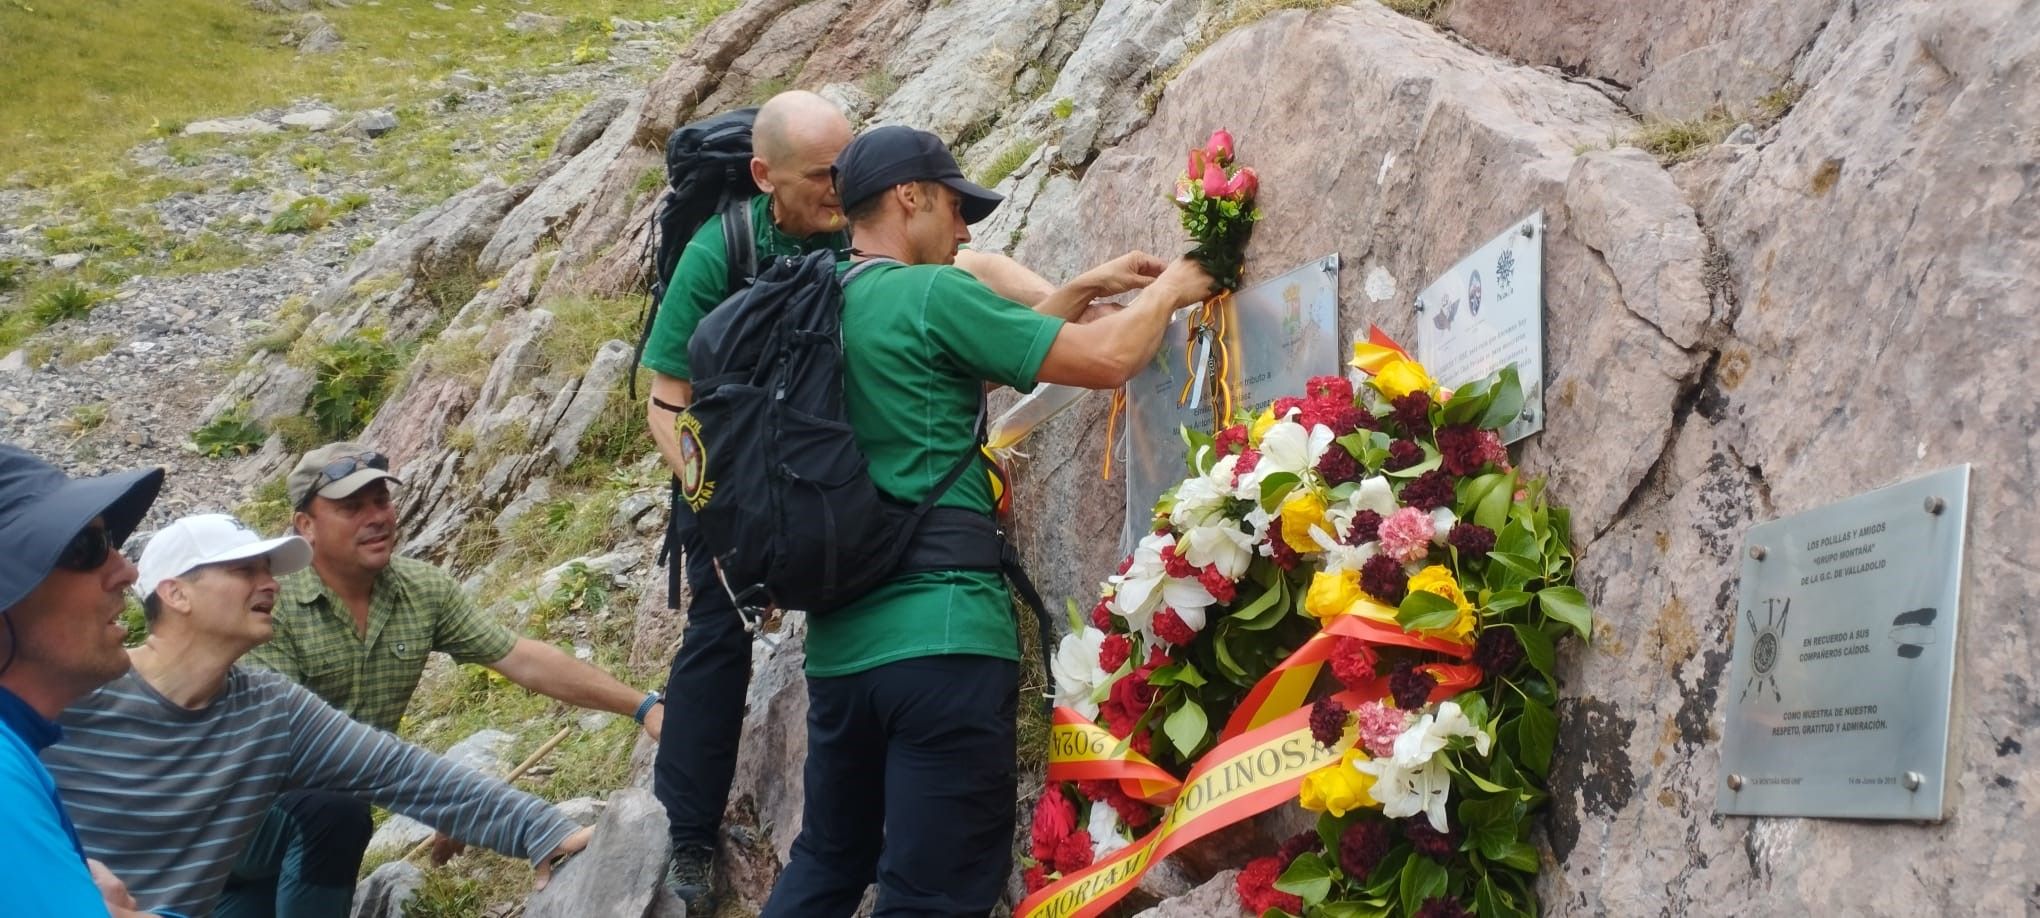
919,342
701,281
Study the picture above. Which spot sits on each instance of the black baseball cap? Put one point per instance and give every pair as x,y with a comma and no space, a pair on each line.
895,155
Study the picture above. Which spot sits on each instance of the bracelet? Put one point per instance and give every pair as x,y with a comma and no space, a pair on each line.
645,707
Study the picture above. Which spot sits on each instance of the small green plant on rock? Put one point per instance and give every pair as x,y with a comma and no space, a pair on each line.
233,433
1008,160
268,509
352,377
1678,141
67,300
84,419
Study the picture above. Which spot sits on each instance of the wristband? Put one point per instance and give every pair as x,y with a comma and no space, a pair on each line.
645,707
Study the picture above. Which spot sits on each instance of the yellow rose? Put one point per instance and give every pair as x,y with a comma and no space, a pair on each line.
1262,422
1302,512
1402,377
1332,594
1338,788
1438,579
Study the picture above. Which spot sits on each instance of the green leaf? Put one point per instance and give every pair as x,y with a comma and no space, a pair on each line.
1276,487
1538,732
1387,875
1491,824
1251,614
1422,610
1431,461
1308,877
1537,648
1076,618
1502,601
1186,727
1521,565
1422,879
1487,785
1179,673
1221,649
1568,605
1372,908
1521,856
1505,401
1198,449
1493,511
1517,538
1469,402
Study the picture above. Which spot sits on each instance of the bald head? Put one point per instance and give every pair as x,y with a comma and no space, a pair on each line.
798,119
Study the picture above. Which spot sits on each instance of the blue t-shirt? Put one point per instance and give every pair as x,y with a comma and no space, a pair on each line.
39,841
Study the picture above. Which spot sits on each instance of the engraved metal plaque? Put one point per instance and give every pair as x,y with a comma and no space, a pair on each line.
1843,668
1486,313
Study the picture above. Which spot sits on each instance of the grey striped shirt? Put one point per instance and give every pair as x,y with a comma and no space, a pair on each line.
168,797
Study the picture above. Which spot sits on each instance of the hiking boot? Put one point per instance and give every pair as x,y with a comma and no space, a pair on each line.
690,875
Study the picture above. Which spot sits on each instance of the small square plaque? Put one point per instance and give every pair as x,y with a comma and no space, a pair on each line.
1843,667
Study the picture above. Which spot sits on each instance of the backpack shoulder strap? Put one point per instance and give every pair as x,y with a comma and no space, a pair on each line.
740,243
862,266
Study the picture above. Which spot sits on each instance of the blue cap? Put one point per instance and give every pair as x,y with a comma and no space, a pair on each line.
41,508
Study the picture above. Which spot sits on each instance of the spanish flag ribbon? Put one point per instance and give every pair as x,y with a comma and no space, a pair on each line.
1285,687
1079,750
1379,350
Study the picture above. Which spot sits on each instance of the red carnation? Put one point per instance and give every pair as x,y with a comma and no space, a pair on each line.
1298,845
1463,448
1171,628
1442,908
1329,388
1114,652
1055,817
1328,721
1401,455
1074,853
1429,491
1471,539
1411,687
1498,651
1256,886
1429,842
1097,790
1278,548
1215,582
1230,440
1413,413
1384,579
1036,878
1143,743
1126,565
1249,458
1101,616
1175,565
1338,466
1286,404
1352,662
1366,528
1362,847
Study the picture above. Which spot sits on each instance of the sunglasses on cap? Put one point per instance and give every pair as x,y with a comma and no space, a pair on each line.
348,465
87,550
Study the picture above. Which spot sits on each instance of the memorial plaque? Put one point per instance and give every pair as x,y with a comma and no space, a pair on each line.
1843,668
1486,313
1283,331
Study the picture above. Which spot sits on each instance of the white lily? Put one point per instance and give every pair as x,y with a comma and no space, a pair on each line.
1146,587
1286,447
1340,556
1104,827
1414,780
1078,677
1202,500
1224,544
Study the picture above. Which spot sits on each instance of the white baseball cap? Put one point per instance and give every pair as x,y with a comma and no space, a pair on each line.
213,538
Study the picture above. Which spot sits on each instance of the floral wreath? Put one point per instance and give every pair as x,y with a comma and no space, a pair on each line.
1351,604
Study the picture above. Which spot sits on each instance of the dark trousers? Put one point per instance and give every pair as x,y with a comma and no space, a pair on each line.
698,747
302,861
910,782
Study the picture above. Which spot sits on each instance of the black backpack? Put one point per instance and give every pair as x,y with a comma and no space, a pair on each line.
779,489
708,172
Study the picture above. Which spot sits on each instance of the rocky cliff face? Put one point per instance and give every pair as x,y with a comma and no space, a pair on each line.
1838,299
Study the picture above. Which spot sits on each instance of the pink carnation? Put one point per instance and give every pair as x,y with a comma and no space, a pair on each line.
1379,726
1491,449
1406,535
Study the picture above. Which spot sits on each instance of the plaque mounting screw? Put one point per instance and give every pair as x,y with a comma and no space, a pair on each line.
1913,780
1529,232
1757,553
1935,505
1735,782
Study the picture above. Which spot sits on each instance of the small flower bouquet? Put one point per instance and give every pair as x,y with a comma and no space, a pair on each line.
1216,197
1370,547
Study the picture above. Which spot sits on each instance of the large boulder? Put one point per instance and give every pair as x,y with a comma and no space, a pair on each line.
621,873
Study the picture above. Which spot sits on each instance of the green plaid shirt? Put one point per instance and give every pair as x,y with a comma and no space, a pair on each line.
414,608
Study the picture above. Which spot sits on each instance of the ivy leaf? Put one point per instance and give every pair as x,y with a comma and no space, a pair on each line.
1308,878
1502,601
1276,487
1522,566
1568,605
1537,648
1493,510
1517,538
1490,824
1422,610
1538,731
1372,908
1186,727
1422,879
1520,855
1254,616
1505,400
